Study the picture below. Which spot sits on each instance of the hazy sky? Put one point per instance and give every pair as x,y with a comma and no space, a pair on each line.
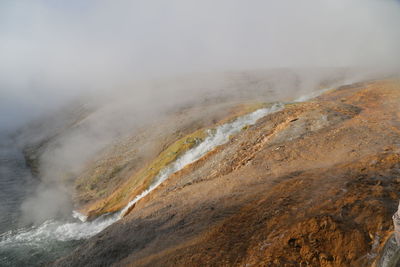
51,50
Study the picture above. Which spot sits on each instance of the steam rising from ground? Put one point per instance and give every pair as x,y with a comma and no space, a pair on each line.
53,230
219,137
50,50
117,55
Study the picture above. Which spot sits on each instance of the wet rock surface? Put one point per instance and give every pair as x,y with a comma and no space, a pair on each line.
315,184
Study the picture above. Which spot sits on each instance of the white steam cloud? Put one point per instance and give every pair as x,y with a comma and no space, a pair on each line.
54,51
50,50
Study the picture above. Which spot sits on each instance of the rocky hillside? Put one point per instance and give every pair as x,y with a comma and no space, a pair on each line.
314,184
128,167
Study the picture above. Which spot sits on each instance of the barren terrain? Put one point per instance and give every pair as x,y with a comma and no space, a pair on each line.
315,184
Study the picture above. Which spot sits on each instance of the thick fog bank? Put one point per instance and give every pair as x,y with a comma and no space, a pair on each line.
68,139
93,71
51,51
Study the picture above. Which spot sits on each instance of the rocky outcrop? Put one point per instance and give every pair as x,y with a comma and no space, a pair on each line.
315,184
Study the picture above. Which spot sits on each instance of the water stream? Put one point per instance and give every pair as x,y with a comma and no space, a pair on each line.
35,245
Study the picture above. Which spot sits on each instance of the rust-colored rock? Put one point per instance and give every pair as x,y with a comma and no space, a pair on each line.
315,184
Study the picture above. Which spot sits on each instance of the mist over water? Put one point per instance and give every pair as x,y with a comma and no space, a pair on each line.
45,242
54,238
14,183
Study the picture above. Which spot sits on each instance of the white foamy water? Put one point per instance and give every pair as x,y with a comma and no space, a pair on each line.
54,230
79,216
215,138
